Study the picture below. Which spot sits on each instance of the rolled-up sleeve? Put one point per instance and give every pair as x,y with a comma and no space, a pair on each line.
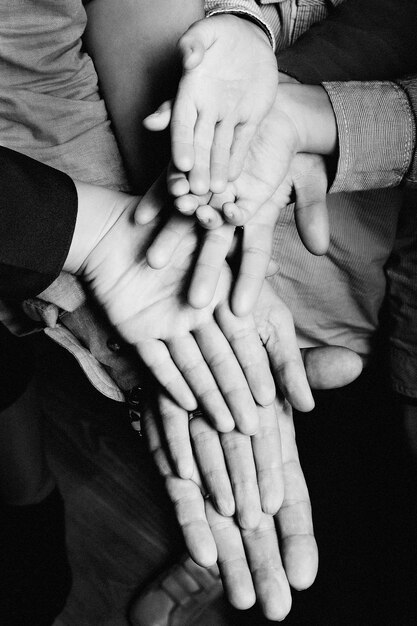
409,85
376,131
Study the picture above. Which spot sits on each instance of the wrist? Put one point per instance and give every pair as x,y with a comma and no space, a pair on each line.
258,28
310,110
98,210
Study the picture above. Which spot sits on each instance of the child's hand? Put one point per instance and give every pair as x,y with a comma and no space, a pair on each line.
228,85
307,184
306,180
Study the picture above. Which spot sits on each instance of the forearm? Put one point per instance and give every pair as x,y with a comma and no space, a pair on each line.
98,209
371,123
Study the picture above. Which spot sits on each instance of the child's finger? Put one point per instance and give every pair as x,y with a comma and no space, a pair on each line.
192,51
208,217
187,205
199,176
237,215
160,119
177,182
240,146
220,157
194,43
311,216
183,120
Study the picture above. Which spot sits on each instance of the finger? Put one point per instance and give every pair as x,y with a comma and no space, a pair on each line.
220,157
192,50
229,376
175,425
177,182
331,366
212,466
243,337
151,430
156,357
215,247
268,575
200,377
266,445
294,519
199,175
183,120
237,450
233,566
256,253
191,516
152,203
167,241
209,218
310,212
287,365
187,205
240,146
159,120
235,215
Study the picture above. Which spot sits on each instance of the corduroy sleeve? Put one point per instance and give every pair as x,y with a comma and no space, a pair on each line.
376,132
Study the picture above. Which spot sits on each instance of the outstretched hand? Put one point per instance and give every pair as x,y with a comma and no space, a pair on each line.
277,168
254,564
194,357
229,83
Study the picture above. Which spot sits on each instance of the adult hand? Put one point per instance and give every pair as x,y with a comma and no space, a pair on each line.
251,563
257,196
275,328
186,350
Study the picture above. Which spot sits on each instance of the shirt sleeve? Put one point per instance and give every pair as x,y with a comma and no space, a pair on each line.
359,40
376,132
261,12
38,209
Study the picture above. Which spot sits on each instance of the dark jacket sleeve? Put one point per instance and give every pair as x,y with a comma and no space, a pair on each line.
359,40
38,209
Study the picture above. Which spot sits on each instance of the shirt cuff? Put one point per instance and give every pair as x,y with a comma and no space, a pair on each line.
410,87
244,8
376,131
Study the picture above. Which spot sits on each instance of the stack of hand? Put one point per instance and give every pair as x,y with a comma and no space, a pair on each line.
225,439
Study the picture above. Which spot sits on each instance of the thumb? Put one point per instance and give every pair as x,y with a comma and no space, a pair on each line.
192,50
160,119
331,366
310,212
